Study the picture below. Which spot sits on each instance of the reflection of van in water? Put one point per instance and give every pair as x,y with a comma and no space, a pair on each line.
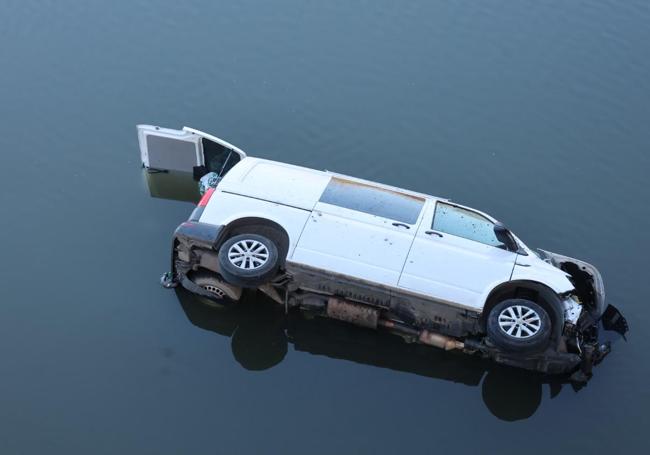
423,267
260,335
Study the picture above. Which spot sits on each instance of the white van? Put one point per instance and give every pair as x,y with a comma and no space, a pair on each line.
423,267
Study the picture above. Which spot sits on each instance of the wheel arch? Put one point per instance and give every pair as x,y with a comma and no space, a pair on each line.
535,291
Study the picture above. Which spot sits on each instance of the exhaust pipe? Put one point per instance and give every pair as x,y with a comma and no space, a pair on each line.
439,341
353,313
366,316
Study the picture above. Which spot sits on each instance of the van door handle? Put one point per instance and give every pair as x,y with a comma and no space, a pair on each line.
401,225
433,233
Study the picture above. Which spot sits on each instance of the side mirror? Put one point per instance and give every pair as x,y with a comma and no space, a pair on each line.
503,235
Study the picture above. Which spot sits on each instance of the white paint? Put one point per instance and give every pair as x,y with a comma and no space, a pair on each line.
450,268
225,208
276,182
454,269
354,243
532,268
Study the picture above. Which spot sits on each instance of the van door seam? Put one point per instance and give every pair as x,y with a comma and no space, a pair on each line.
408,253
512,272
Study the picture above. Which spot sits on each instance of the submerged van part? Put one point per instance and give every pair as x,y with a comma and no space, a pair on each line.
430,270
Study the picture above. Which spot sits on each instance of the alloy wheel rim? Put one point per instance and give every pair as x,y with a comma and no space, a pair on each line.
248,254
520,321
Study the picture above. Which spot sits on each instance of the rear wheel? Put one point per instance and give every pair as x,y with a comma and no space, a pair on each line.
224,294
248,260
519,325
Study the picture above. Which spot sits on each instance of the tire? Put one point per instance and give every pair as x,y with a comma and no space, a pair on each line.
225,294
248,260
519,326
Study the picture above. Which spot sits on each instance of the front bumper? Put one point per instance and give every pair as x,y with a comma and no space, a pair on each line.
578,346
583,336
591,291
586,278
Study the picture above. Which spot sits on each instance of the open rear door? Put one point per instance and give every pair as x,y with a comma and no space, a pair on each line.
169,150
186,150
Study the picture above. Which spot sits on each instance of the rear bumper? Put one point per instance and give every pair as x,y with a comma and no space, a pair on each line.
188,239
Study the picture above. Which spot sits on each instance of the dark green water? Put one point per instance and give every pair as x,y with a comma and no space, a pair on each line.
536,112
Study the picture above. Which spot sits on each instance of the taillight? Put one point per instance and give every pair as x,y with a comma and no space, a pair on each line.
206,197
198,210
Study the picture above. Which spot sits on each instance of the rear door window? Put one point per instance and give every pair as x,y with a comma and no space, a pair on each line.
218,158
464,223
373,200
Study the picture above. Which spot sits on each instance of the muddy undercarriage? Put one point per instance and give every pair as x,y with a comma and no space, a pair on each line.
574,347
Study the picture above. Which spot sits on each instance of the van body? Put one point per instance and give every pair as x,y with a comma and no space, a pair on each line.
420,266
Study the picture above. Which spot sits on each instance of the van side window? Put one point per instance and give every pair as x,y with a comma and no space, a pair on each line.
464,223
373,200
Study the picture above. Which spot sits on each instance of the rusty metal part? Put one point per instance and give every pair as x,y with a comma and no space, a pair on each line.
400,329
439,341
353,313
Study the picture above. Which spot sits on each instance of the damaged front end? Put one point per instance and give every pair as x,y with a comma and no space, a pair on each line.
584,311
578,315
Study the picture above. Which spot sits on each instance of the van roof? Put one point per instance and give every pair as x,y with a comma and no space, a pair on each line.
287,184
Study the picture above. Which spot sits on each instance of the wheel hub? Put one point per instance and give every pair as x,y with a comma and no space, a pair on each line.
519,321
248,254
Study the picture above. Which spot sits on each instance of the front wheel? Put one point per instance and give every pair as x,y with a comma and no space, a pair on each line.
519,325
248,260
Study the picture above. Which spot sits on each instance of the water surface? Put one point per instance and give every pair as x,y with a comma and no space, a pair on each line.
535,112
